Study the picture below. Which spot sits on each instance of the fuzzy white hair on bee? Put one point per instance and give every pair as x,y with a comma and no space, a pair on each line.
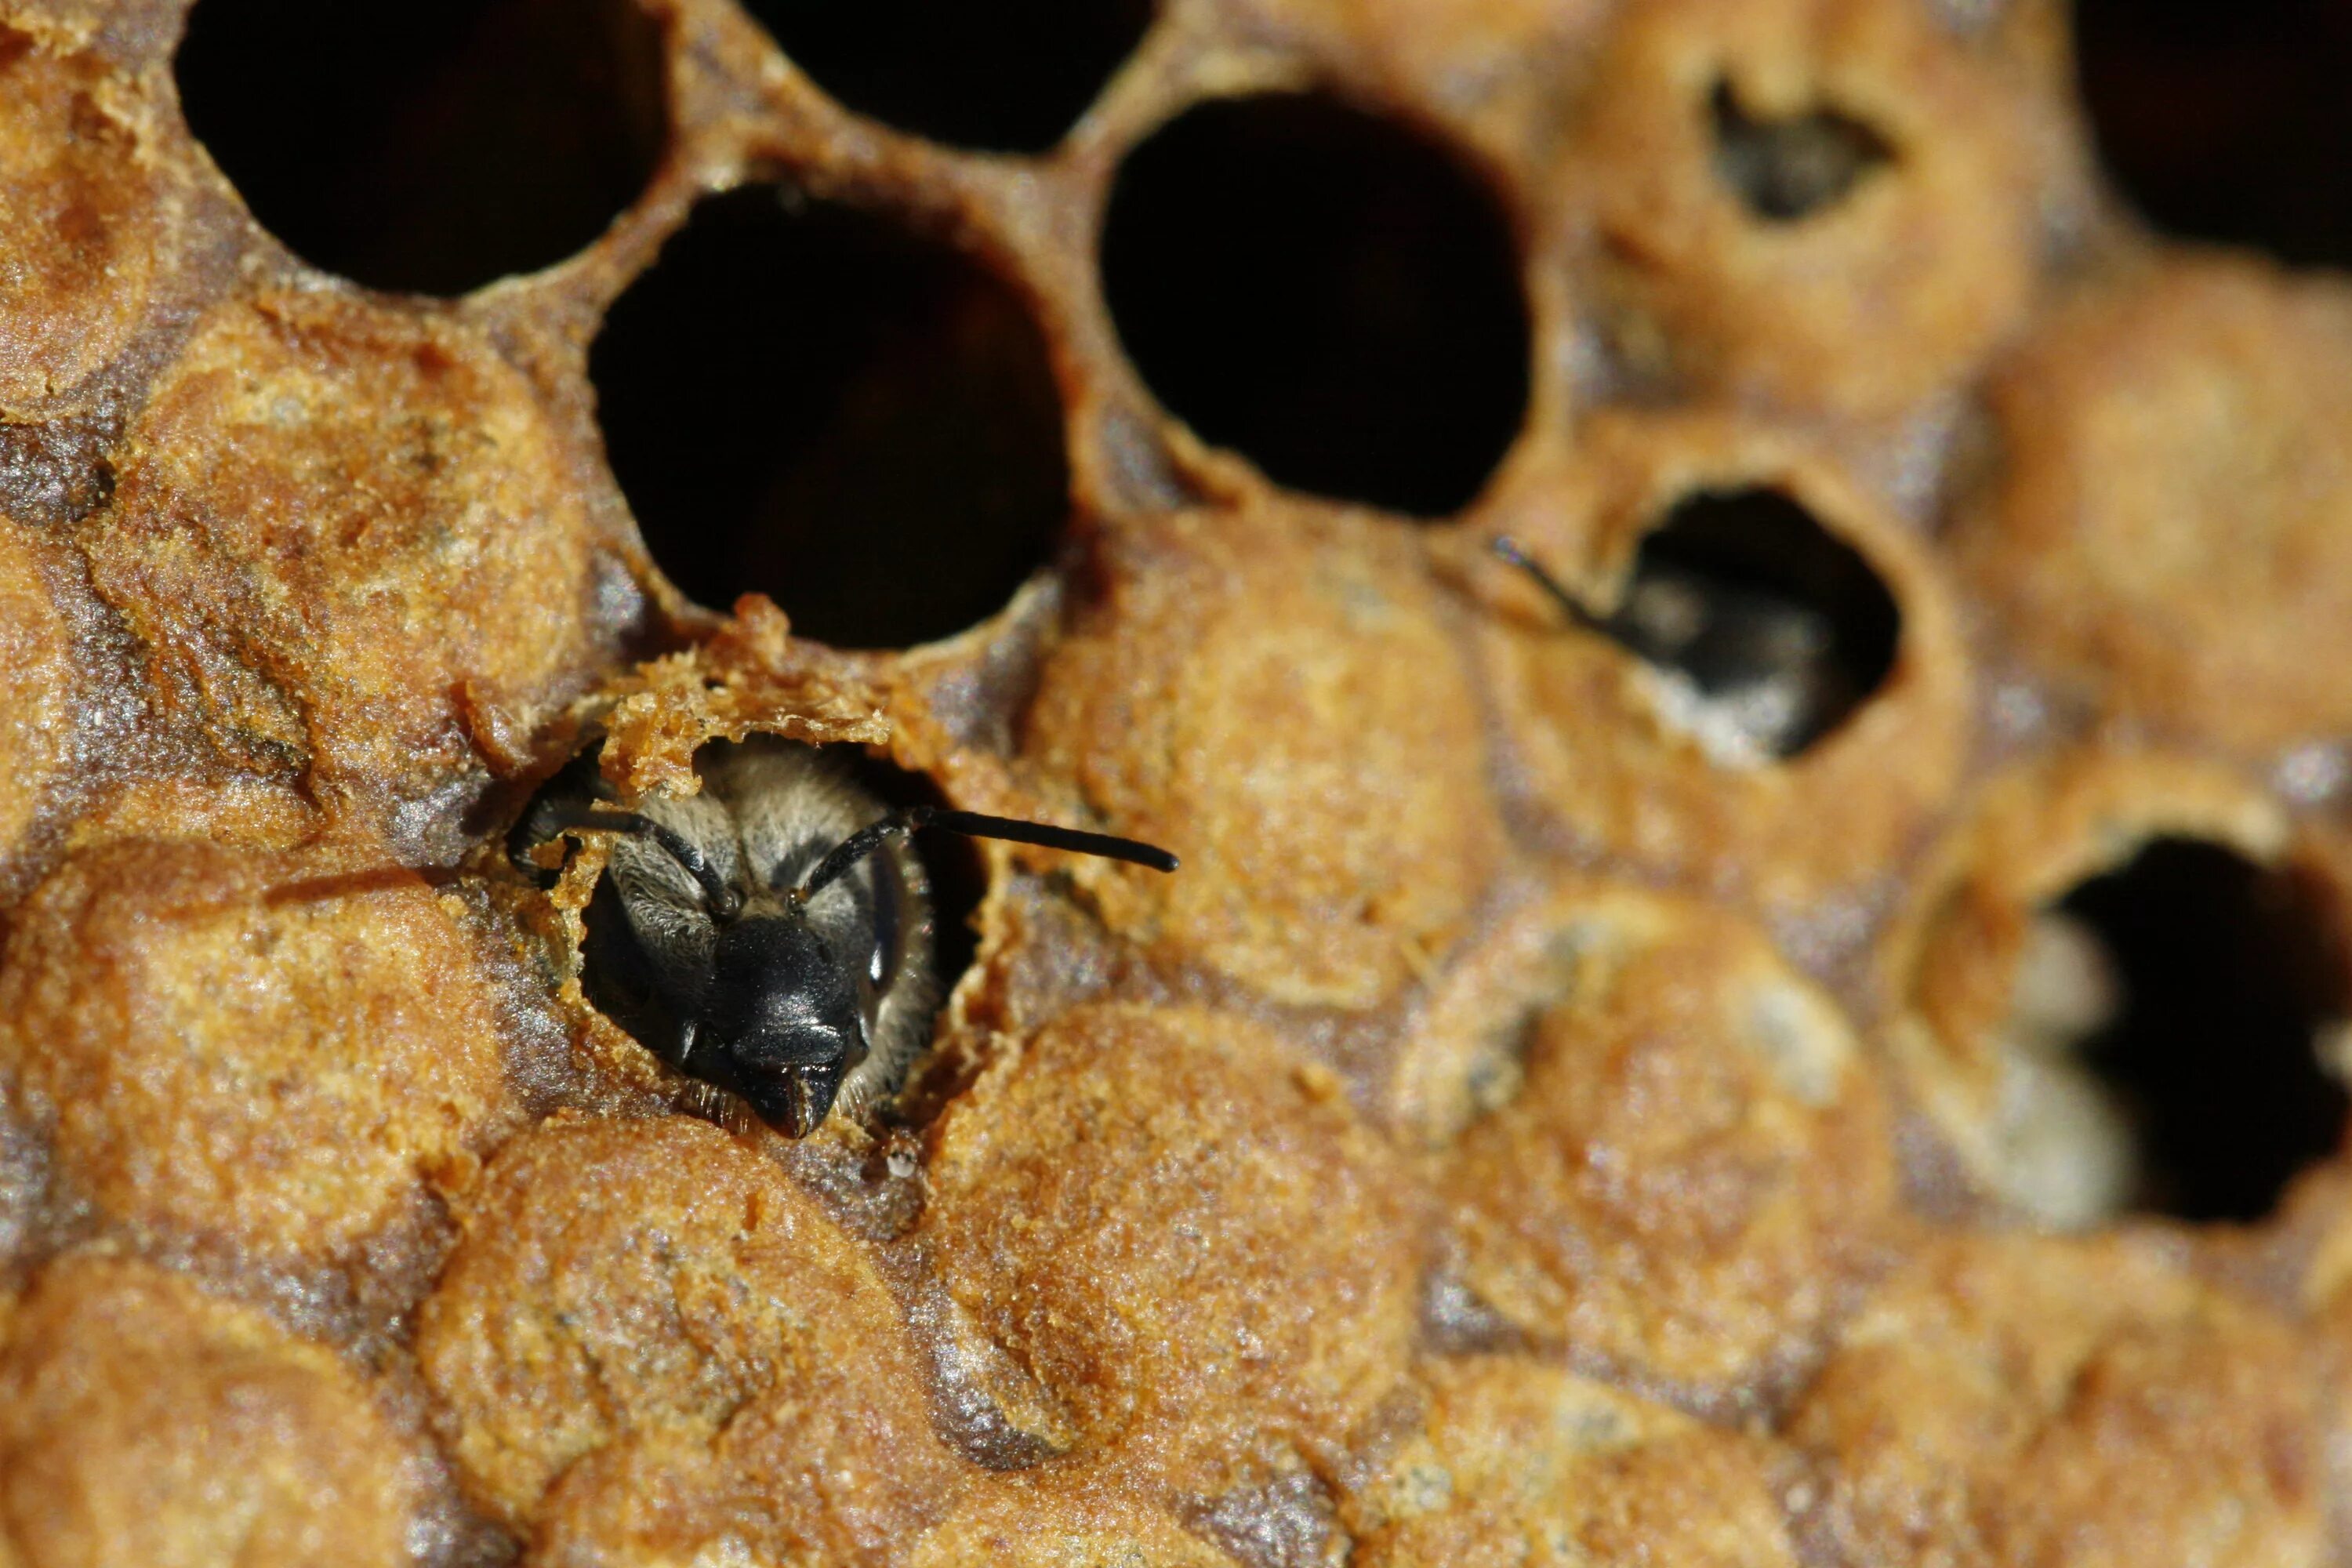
772,935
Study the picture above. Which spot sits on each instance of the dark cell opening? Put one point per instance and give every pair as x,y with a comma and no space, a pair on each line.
1787,169
431,146
1325,292
801,400
1782,627
1010,76
2227,121
2228,970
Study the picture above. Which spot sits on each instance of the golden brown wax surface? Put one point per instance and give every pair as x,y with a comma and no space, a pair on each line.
1543,1121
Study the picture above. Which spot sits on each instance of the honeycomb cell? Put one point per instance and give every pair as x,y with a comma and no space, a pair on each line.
2216,959
2012,1399
650,1319
804,400
1523,1464
1009,76
245,812
2169,533
1694,1163
82,218
278,1051
141,1421
1280,702
443,144
37,685
1765,632
2091,945
1329,293
1183,1233
799,1476
1467,1157
1817,205
1757,680
350,541
1020,1522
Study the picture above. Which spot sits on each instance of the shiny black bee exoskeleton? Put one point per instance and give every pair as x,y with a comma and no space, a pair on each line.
773,934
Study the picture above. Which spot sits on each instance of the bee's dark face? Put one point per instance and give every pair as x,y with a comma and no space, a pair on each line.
770,936
784,1021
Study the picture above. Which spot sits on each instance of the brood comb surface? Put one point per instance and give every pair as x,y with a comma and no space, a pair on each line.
1811,1038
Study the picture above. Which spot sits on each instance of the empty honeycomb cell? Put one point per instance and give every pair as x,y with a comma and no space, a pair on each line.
2221,123
83,218
2169,529
2212,952
276,1051
1521,1463
1008,76
1278,701
1329,293
142,1421
649,1318
2078,1405
1757,677
1694,1167
1817,205
2113,982
37,685
442,145
1020,1521
1180,1229
351,544
804,400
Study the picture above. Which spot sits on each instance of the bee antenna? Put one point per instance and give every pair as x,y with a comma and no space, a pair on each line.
556,819
1569,606
973,825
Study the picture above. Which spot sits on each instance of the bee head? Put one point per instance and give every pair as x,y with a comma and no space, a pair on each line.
784,1021
770,1009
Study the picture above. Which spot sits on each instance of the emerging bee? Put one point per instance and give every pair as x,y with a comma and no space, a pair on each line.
772,935
1758,669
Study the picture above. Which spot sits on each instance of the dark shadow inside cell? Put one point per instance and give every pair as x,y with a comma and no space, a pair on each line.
2228,973
2226,121
431,146
1325,291
1782,627
1011,76
1789,169
804,400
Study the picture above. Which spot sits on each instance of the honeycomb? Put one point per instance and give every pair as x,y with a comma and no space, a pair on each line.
1803,1026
